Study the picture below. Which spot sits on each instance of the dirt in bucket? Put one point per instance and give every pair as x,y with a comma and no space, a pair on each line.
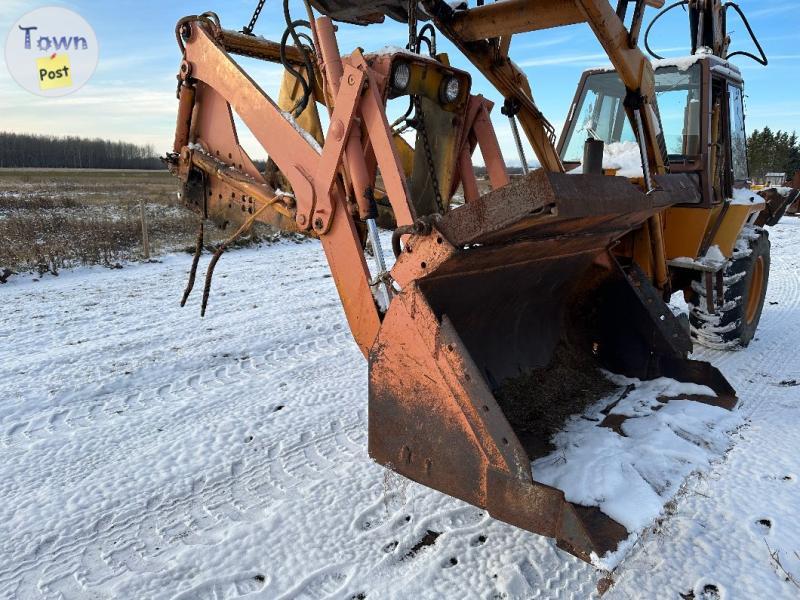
538,403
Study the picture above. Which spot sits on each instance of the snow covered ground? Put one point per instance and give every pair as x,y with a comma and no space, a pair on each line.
148,453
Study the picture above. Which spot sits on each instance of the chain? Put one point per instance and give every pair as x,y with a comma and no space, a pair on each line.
423,132
248,29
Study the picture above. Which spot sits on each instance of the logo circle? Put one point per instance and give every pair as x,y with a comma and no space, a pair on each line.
51,51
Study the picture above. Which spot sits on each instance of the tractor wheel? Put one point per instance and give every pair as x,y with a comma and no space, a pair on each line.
734,321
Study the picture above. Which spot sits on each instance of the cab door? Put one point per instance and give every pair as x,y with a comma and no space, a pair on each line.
738,171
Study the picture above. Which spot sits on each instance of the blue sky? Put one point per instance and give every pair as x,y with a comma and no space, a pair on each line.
132,94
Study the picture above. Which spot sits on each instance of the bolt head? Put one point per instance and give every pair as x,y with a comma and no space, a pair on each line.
319,223
301,219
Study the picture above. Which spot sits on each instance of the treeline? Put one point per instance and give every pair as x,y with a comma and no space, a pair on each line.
44,151
769,152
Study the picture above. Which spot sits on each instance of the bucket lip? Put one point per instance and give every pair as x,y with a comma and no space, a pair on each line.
543,197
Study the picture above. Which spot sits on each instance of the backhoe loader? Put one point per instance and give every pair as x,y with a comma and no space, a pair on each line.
544,277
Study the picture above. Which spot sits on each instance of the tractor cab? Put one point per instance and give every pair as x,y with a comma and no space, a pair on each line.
699,105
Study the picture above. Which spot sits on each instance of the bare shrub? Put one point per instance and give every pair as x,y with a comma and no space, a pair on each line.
51,219
48,242
35,202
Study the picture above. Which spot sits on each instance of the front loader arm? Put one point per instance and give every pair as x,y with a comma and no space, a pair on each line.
319,205
332,185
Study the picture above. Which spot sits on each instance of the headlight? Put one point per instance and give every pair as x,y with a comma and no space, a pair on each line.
450,90
401,76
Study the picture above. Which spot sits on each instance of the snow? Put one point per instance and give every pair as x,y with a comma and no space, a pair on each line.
682,63
389,50
306,135
149,453
678,305
713,260
745,196
622,156
713,257
631,478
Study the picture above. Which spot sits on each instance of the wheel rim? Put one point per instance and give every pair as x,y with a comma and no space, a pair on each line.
756,289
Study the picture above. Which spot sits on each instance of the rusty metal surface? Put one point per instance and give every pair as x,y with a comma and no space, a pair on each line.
686,186
489,294
632,329
257,47
231,197
363,12
777,206
433,418
534,204
794,207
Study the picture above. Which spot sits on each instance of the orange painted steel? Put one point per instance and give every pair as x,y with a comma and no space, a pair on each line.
469,182
490,148
334,75
311,173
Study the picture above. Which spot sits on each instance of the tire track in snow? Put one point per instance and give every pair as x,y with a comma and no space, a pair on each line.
87,552
115,404
80,559
142,540
117,444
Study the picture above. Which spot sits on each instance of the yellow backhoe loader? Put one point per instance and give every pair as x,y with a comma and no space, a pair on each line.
531,285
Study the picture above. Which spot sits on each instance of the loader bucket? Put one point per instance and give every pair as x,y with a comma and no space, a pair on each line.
518,290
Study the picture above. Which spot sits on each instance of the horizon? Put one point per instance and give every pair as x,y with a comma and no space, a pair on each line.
131,97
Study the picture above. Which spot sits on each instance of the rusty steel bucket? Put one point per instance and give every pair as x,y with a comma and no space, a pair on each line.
519,282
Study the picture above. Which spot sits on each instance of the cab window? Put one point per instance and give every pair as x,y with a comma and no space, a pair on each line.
738,135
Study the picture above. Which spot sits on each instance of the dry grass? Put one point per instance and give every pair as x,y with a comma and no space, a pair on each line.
52,219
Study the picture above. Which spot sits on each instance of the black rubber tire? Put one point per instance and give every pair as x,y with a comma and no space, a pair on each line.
734,323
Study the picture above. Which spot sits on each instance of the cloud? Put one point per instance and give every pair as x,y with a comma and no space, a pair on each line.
543,43
771,10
